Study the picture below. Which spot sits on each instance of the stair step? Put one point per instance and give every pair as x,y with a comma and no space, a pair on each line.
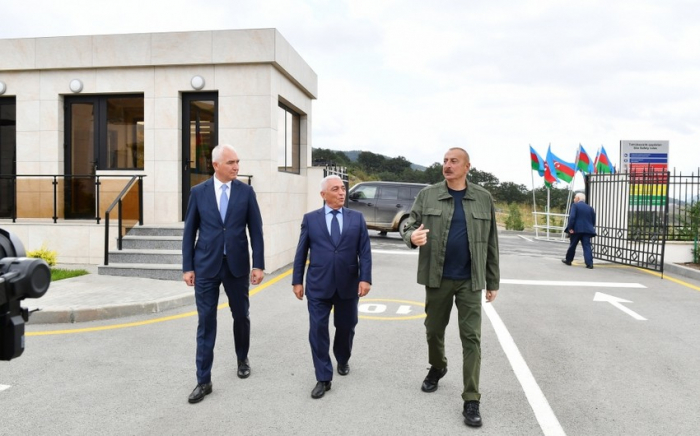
151,271
152,242
147,256
151,251
176,229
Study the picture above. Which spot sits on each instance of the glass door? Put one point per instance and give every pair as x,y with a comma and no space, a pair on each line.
80,161
199,136
8,155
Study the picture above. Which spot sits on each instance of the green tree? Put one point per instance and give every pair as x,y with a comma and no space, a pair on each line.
322,156
371,162
487,180
558,198
515,219
509,192
397,165
433,173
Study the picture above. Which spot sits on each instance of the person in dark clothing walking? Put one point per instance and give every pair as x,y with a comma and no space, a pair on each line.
581,227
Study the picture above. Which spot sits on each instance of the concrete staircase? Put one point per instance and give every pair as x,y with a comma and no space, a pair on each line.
151,251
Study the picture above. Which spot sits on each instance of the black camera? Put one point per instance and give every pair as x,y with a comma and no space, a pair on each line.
20,278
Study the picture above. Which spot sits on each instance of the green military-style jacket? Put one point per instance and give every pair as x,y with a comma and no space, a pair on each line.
434,208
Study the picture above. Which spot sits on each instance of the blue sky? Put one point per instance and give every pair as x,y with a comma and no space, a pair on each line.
414,78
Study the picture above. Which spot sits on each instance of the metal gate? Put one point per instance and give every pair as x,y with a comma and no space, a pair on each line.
631,217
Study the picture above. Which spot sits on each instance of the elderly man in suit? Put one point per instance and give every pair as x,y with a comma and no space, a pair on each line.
218,213
340,272
581,227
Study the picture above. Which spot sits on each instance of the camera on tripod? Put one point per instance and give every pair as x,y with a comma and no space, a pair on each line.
20,278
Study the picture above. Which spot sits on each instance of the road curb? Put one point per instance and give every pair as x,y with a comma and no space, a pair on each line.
74,315
681,270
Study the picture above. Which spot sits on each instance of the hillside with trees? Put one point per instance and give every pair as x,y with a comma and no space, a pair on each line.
365,166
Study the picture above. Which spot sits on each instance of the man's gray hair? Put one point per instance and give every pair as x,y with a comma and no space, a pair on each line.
216,152
325,180
581,196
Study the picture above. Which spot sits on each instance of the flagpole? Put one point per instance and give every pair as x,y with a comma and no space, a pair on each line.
534,203
548,210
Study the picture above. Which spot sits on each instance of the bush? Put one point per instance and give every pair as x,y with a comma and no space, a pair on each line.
49,256
515,219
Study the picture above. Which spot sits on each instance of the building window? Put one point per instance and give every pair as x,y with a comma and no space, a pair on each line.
105,132
288,139
123,149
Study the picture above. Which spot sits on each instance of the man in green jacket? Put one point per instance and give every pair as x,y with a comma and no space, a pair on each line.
458,258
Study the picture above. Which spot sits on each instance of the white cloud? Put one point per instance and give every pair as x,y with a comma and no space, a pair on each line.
414,78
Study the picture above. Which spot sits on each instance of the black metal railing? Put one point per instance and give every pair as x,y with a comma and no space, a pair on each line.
118,202
13,178
684,206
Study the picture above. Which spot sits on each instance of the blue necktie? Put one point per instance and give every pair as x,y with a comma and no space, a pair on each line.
223,202
223,205
335,228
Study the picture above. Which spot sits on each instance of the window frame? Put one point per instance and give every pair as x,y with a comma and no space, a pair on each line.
291,151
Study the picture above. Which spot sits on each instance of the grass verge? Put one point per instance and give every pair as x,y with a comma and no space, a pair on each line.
60,274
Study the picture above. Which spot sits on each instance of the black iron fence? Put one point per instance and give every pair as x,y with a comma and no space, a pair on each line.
684,206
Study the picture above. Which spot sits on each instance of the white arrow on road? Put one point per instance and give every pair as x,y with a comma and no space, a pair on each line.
615,301
3,387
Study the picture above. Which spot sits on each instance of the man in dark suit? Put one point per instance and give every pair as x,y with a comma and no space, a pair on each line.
581,227
340,272
218,213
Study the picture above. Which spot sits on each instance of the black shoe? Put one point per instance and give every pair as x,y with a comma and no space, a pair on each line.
430,384
343,368
589,266
471,414
199,392
243,368
320,389
566,262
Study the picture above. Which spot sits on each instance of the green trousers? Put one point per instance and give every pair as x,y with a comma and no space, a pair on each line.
438,305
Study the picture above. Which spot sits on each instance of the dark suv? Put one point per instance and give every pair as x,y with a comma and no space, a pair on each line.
385,205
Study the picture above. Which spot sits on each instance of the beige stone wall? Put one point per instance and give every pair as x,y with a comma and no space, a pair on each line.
251,70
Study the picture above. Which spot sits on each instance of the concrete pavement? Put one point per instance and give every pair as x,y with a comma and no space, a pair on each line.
94,297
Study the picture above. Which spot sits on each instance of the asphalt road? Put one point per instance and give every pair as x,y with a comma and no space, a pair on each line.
554,361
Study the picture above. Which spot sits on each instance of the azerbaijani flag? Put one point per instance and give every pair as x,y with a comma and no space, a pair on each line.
584,161
550,175
565,170
537,161
602,163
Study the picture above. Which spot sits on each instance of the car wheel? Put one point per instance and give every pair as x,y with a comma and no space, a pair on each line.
402,225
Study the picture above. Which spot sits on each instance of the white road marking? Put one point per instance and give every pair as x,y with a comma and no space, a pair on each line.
615,301
3,387
525,238
543,412
564,283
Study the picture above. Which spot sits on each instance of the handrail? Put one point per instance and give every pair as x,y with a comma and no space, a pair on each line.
98,183
118,201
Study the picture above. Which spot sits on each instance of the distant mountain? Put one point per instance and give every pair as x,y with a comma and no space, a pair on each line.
353,154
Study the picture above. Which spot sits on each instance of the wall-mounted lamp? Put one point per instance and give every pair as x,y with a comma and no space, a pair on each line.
76,85
3,88
197,82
